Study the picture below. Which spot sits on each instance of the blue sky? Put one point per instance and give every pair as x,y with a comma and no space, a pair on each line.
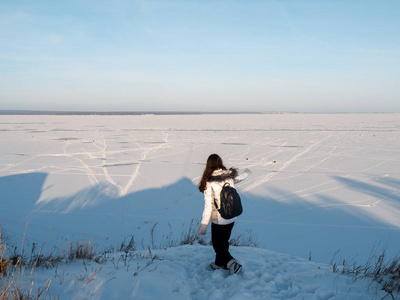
306,56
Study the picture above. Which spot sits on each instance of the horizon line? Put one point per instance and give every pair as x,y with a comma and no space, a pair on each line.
127,113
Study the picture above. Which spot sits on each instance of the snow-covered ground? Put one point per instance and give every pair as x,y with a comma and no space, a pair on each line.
321,184
182,273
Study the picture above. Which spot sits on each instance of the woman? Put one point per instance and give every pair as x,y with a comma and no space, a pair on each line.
214,177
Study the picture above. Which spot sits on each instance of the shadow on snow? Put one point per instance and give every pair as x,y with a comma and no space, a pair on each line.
329,222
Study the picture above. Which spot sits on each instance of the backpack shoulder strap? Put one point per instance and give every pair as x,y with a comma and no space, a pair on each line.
226,184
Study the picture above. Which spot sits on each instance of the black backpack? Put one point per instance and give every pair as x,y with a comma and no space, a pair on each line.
231,206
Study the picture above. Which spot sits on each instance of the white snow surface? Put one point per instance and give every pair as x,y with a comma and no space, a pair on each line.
321,184
182,273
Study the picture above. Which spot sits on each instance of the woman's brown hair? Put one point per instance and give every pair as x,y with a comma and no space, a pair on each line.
214,162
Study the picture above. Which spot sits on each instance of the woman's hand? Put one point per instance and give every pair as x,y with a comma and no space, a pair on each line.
203,229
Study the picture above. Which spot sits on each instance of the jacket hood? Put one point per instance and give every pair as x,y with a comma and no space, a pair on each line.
224,175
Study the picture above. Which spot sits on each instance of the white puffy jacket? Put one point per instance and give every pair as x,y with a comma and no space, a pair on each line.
213,190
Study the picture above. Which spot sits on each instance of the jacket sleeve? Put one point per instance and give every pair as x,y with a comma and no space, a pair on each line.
241,176
208,198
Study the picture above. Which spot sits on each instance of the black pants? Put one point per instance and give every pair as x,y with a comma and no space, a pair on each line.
220,235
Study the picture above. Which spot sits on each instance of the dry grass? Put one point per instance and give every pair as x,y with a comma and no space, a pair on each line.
385,272
246,239
4,262
81,250
190,235
17,281
17,270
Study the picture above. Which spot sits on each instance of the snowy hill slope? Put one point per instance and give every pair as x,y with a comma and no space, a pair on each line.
182,273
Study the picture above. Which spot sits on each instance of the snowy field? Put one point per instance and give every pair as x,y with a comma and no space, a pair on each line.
323,187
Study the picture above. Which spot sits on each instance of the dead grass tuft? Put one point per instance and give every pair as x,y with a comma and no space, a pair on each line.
378,269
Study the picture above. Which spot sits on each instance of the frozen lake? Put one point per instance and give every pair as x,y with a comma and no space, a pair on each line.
320,182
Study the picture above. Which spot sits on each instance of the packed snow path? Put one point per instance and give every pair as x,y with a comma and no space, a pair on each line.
183,273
